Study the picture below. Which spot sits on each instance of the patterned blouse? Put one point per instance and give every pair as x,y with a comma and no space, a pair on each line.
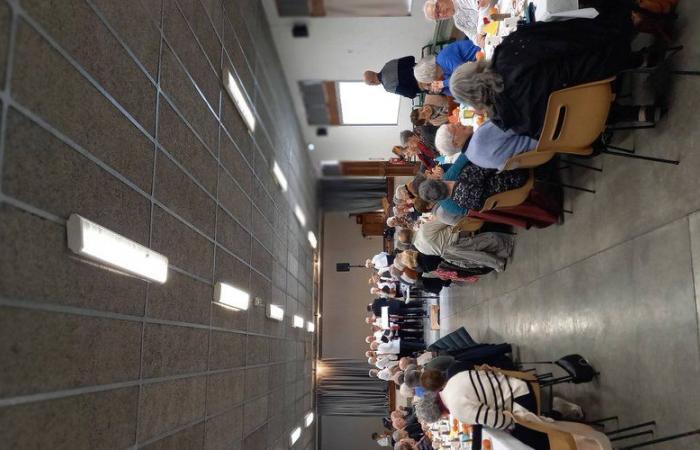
475,184
466,17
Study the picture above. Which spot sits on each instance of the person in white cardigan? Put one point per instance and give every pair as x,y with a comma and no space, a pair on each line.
480,397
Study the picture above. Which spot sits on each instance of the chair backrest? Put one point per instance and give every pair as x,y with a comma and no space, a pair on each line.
528,160
468,224
514,197
576,117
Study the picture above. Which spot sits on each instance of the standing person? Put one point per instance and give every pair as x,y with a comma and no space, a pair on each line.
397,347
396,77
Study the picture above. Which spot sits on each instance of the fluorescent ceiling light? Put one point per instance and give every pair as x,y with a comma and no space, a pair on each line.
301,217
298,322
275,312
310,327
309,419
231,297
96,242
236,94
311,147
279,176
296,434
312,239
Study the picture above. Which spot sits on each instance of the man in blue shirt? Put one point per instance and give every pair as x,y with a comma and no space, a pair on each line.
432,68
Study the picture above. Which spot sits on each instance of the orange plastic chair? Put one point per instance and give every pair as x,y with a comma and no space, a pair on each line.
513,197
576,117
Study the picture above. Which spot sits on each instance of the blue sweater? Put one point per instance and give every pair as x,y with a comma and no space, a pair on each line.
454,55
448,205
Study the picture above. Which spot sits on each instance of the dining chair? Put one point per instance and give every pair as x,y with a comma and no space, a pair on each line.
514,197
468,224
565,435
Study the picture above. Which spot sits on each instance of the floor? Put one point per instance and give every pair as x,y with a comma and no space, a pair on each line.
617,281
116,110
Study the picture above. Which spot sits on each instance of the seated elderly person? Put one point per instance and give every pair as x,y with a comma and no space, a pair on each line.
482,397
433,72
488,147
433,115
535,61
411,444
464,13
396,77
473,186
488,250
415,146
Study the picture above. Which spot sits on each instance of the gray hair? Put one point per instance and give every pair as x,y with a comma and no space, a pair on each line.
411,378
406,390
475,84
444,141
428,408
433,190
425,70
405,135
427,5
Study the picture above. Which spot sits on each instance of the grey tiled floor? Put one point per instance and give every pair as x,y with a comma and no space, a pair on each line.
616,282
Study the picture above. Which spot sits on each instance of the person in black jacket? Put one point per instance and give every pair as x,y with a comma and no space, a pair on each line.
396,308
396,76
537,60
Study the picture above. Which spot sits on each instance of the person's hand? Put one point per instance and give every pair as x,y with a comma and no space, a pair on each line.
436,86
481,41
436,173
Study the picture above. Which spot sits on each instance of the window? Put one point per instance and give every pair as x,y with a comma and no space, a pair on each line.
361,104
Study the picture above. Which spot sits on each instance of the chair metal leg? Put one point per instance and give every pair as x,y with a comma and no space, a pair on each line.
568,211
631,127
686,72
584,166
559,380
627,436
603,420
633,427
645,158
626,150
663,439
566,186
538,362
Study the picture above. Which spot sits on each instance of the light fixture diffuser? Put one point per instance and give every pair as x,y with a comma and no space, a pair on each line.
296,434
298,322
310,327
93,241
279,176
301,217
309,419
236,93
312,239
231,297
311,147
275,312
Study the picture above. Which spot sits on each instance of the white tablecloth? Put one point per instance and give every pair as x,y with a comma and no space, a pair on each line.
549,10
502,440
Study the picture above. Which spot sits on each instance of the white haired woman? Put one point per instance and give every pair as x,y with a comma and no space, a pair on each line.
440,67
534,61
464,13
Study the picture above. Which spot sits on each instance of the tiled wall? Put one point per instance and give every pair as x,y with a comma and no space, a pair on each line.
115,110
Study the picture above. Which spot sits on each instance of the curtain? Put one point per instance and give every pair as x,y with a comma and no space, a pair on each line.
352,195
345,389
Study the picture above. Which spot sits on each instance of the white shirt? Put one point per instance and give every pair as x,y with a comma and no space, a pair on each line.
380,260
386,362
433,237
466,17
384,441
481,397
384,374
378,335
390,347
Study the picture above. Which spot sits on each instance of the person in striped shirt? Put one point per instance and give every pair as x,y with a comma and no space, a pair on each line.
480,397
